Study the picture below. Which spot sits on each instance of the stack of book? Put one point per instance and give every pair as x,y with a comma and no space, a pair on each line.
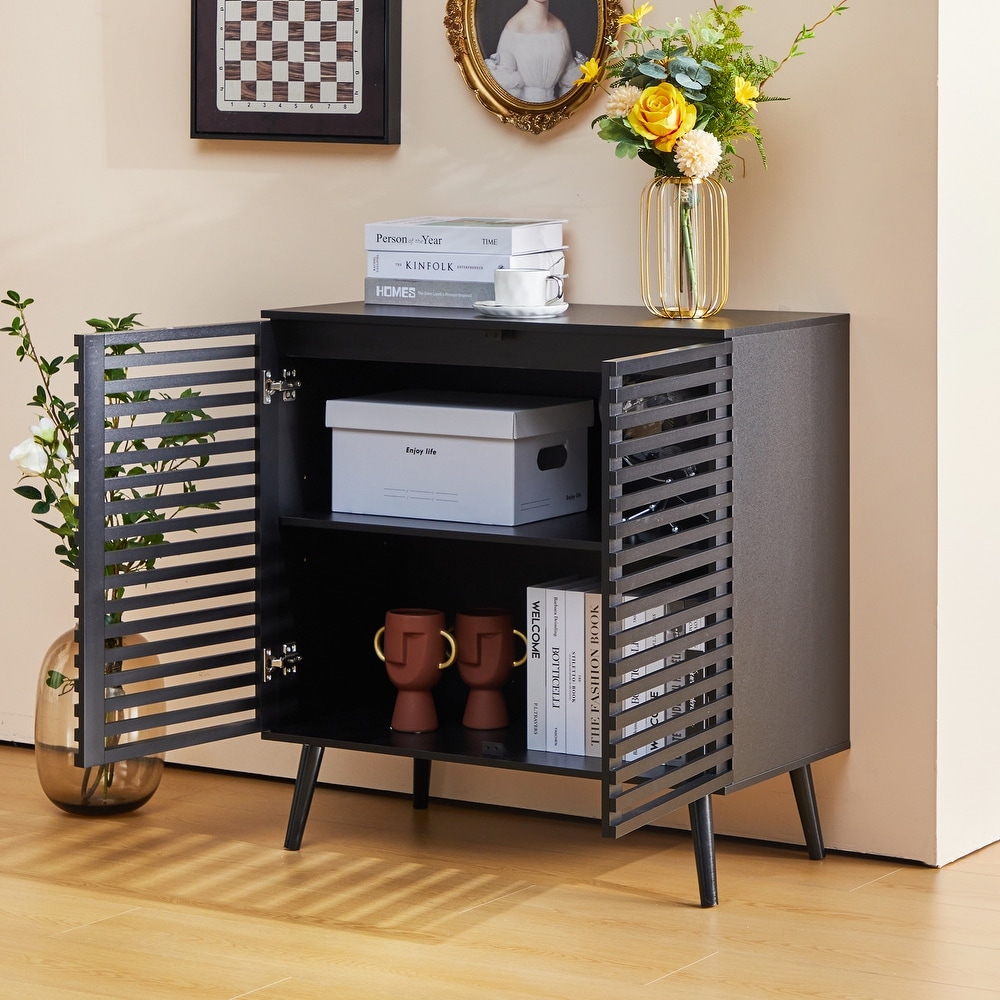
564,669
565,652
450,261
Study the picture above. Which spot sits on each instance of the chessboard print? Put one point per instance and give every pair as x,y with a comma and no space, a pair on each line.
290,55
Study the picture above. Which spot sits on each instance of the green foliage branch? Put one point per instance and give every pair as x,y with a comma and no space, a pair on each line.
48,456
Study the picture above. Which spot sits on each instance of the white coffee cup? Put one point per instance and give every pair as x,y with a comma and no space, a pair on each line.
527,286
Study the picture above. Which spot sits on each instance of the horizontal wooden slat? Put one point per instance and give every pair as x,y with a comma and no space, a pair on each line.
183,619
161,599
194,356
190,522
155,432
179,404
180,692
186,738
181,547
183,380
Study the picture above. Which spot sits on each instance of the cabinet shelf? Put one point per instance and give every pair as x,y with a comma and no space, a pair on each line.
452,742
574,531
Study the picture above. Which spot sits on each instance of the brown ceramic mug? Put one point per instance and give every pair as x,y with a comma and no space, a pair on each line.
485,641
411,649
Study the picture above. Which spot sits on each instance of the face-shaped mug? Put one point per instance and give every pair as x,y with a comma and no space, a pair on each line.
412,648
485,641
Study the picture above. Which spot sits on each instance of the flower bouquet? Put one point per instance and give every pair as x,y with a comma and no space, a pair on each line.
680,98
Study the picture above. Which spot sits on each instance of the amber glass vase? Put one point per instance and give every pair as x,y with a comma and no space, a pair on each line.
684,247
104,789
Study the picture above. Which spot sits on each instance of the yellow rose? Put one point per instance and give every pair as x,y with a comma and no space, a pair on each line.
636,18
591,70
662,116
746,93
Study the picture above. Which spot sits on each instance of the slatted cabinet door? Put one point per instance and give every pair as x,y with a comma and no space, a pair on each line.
668,720
168,537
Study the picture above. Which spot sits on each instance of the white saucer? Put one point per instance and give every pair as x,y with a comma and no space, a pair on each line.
521,312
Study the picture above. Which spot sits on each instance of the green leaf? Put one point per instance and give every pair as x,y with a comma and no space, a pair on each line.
54,679
28,492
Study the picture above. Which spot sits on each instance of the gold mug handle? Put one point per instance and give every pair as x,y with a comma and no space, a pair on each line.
524,659
441,666
451,657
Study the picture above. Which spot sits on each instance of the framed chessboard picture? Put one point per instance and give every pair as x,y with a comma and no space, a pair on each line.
296,70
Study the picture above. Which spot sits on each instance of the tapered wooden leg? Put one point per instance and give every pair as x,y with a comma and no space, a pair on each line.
421,782
703,835
805,799
305,784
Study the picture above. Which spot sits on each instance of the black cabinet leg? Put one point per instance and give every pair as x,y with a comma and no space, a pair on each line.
703,834
805,799
421,782
305,784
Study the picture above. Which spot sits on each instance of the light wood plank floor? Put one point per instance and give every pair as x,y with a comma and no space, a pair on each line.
194,897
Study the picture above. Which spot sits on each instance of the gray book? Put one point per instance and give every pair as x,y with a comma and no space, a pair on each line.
443,293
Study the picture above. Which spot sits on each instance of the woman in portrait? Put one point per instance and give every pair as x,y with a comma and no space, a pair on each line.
534,60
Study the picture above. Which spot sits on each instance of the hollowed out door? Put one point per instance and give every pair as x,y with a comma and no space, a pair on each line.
169,538
668,717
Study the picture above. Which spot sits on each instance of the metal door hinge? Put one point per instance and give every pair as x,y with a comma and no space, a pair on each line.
284,662
286,385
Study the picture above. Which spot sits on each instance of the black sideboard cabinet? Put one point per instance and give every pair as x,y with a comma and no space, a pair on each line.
717,492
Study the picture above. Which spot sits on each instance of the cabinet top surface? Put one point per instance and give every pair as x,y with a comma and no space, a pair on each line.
595,318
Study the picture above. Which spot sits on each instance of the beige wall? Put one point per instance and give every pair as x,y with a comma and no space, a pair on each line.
108,207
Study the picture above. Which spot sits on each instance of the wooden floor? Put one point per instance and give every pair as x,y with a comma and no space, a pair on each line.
193,896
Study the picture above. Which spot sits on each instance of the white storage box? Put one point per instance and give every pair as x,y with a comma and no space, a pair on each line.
450,456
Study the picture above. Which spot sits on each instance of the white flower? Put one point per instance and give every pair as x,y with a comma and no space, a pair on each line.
697,153
30,457
72,478
44,430
621,99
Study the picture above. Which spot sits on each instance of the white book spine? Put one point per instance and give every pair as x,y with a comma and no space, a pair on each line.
535,667
465,235
575,654
415,265
594,663
555,670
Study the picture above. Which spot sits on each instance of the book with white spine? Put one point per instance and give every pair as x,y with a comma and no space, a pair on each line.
593,646
460,234
535,663
416,265
575,657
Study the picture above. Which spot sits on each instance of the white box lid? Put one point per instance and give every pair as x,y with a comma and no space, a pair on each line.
459,414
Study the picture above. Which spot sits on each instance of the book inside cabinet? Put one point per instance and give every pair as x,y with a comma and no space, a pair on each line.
661,534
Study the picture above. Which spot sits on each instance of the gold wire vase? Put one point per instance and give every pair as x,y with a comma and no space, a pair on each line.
684,247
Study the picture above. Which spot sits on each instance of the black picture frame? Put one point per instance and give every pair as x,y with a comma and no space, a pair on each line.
366,108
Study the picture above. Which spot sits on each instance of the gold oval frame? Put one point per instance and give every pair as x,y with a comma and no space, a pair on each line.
460,22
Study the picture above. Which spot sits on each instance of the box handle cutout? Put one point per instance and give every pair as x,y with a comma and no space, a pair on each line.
552,457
